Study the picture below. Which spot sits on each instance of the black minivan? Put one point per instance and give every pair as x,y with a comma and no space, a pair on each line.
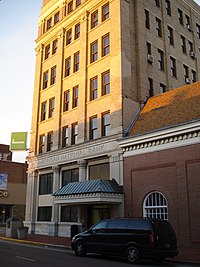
132,238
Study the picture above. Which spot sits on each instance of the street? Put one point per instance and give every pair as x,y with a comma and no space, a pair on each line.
24,255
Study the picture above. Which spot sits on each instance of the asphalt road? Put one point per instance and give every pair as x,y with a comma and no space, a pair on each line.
23,255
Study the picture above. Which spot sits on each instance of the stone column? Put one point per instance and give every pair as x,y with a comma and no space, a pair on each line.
31,201
82,170
53,225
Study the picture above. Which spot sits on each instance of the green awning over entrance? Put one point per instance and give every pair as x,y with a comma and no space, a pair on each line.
88,187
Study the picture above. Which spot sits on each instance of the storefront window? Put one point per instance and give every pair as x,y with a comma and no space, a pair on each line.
44,214
70,176
46,184
69,213
99,171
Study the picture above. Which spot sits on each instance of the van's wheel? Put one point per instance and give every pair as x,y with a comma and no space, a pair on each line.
132,255
80,249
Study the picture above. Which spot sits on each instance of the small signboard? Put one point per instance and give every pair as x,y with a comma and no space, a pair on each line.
3,181
18,141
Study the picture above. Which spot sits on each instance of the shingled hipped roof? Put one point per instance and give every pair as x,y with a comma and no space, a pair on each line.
174,107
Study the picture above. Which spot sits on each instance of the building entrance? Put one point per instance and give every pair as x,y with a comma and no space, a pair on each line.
97,213
5,213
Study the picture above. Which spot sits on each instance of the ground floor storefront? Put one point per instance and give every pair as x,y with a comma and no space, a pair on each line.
74,189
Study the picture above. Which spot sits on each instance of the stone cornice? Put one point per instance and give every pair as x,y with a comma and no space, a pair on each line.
163,139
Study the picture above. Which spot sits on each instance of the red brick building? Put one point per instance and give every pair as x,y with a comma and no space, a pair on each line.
13,179
162,162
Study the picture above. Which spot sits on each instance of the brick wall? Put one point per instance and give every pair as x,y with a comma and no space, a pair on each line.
174,173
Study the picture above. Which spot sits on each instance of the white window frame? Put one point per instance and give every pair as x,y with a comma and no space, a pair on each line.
155,206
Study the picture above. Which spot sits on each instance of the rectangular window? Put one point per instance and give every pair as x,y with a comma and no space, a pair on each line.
180,16
105,128
41,143
94,51
67,66
49,23
157,2
75,97
69,37
150,86
94,19
78,2
173,67
183,44
94,88
168,7
70,7
105,81
190,46
65,136
74,133
77,31
54,46
198,30
93,128
105,44
47,51
43,111
147,19
185,72
170,35
53,75
69,213
148,48
162,88
187,21
194,76
66,101
159,27
105,12
46,184
76,61
56,17
45,79
44,214
99,171
70,176
51,107
161,65
49,141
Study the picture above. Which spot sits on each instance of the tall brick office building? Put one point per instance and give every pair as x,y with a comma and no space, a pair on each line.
162,162
96,61
13,179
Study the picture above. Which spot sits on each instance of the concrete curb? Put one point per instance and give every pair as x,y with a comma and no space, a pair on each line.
33,242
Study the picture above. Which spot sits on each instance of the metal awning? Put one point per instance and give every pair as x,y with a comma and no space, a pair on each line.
92,191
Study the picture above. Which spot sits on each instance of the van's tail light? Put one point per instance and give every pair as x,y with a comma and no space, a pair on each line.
151,238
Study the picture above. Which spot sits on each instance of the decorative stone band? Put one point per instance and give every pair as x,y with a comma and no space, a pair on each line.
162,141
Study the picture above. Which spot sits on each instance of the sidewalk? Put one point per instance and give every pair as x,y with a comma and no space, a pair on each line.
185,255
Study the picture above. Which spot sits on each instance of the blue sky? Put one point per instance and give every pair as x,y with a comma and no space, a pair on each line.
18,31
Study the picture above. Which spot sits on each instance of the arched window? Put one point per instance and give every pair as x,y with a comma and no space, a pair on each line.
155,206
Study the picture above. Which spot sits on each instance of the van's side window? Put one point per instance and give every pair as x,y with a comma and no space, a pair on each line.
99,227
117,224
138,224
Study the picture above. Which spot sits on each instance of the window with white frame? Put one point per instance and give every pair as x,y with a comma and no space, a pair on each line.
155,206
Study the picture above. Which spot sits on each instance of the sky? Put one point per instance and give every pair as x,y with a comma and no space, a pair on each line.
18,31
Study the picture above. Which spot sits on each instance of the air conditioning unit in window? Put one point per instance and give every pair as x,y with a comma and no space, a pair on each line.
189,27
192,54
187,80
150,58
